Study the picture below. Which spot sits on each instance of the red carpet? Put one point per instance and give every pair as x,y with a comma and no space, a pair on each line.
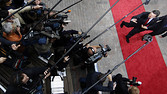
148,64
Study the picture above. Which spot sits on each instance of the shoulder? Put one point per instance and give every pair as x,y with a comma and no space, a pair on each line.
12,90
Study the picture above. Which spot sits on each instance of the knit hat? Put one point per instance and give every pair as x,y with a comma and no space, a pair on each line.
156,12
7,27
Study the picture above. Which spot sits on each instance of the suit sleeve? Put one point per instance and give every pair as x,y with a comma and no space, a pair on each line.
158,20
164,35
161,18
140,15
21,11
6,42
153,25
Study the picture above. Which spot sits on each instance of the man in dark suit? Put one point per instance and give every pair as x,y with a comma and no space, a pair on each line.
159,28
145,19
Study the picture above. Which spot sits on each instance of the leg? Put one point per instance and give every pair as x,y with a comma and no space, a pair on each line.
131,33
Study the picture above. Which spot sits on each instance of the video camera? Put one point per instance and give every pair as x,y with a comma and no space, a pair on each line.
134,83
83,35
56,23
62,19
98,55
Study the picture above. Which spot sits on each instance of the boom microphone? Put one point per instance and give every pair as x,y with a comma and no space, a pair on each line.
147,1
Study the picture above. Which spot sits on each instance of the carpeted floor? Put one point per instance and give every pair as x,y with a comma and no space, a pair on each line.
148,64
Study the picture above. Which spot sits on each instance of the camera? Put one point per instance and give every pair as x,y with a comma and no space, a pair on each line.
134,83
83,35
62,19
49,33
98,55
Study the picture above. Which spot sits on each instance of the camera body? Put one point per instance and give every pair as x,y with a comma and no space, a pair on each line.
61,19
98,55
83,35
134,83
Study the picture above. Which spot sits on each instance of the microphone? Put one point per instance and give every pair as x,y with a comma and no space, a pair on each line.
147,1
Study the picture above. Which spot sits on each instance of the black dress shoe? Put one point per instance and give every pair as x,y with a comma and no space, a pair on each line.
127,39
122,24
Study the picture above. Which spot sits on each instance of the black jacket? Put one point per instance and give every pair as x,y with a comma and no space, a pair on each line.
121,87
92,78
33,74
142,18
160,27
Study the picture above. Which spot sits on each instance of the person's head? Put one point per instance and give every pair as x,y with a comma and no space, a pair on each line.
91,51
8,2
37,2
154,13
7,27
19,78
134,90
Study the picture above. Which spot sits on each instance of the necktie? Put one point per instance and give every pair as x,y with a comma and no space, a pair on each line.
146,21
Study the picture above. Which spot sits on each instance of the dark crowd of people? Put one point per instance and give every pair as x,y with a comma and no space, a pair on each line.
23,32
36,29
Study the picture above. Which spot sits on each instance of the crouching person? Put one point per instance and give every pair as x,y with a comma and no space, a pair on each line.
125,85
93,78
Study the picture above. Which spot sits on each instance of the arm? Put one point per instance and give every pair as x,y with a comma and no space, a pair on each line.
106,88
164,35
21,11
27,8
140,15
96,46
33,72
152,26
70,32
2,59
9,43
161,18
6,42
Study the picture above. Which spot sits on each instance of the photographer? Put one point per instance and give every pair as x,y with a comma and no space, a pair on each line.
95,76
84,53
89,55
8,54
123,85
23,81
